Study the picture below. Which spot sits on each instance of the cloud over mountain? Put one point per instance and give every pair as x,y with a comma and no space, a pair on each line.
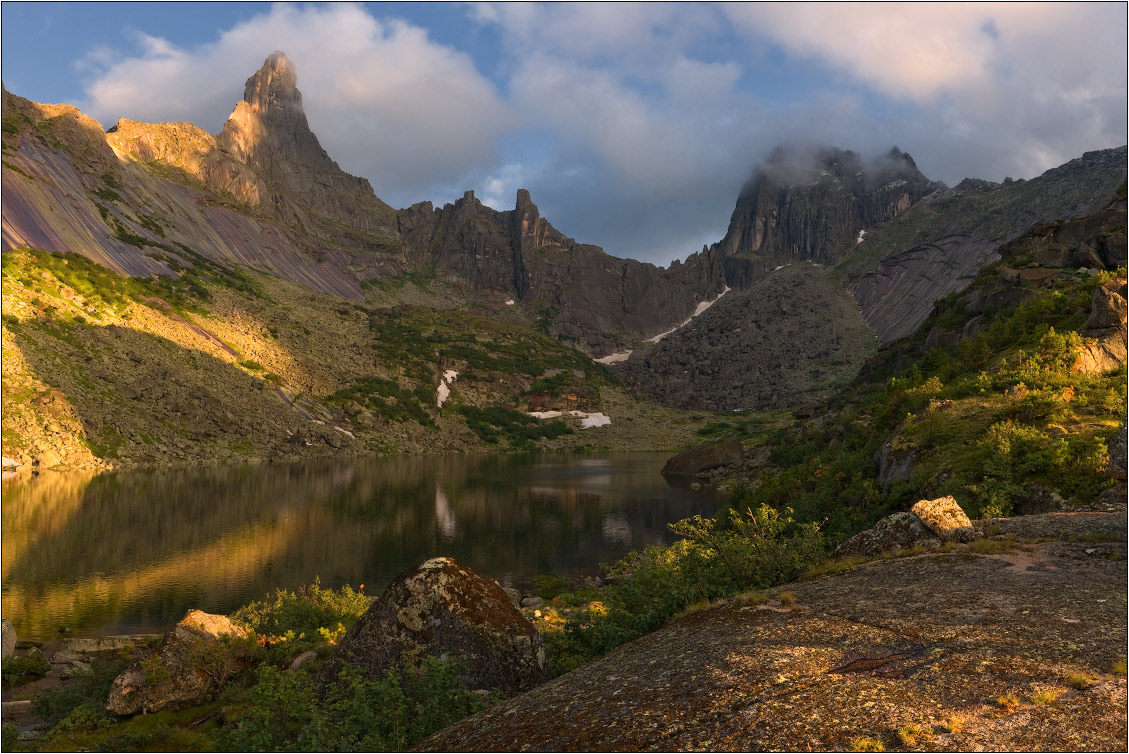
635,125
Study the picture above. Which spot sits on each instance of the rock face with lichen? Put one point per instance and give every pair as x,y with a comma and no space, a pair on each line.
193,662
443,609
930,644
898,531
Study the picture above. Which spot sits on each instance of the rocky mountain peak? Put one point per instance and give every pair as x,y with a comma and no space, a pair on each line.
273,88
268,129
808,203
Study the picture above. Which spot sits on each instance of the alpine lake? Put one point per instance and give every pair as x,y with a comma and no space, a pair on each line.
132,551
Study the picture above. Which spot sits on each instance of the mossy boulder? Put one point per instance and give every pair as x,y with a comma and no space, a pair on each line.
443,609
190,666
898,531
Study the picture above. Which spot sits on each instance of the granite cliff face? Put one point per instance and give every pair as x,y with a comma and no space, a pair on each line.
263,193
939,245
806,205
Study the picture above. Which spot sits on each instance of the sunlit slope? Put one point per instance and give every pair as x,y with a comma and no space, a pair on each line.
101,369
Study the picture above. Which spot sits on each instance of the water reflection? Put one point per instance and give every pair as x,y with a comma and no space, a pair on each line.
133,551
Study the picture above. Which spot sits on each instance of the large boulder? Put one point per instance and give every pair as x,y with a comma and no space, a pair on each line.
443,609
898,531
945,518
1107,311
9,637
704,457
192,663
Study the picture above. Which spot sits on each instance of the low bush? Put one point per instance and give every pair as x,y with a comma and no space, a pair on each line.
302,613
356,713
736,552
16,669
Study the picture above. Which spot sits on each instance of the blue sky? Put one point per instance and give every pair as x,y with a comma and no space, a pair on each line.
634,126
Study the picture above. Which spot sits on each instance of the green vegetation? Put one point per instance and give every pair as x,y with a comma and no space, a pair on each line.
107,293
90,688
504,426
989,421
304,614
391,713
742,549
267,709
33,664
388,399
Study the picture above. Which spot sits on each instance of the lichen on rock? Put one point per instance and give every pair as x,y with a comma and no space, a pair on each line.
443,609
190,666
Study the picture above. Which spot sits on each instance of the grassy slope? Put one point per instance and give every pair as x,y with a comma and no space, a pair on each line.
101,369
1002,417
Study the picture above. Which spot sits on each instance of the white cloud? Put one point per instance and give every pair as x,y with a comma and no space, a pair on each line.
385,101
645,119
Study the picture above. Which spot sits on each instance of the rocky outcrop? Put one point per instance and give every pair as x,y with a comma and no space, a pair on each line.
193,662
692,462
1105,330
443,609
894,465
788,340
898,531
937,246
945,518
810,204
951,647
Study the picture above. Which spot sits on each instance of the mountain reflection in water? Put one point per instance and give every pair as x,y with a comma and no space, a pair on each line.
133,551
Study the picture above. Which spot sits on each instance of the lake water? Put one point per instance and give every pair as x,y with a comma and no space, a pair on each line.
133,551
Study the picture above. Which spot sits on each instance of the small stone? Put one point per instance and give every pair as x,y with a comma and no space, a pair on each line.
532,602
303,658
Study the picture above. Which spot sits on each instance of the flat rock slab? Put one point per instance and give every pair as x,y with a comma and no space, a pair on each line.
933,641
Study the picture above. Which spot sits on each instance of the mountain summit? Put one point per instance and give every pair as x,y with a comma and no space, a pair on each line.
268,129
270,159
809,204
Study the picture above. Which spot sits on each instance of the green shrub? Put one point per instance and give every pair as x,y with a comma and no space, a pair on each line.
549,585
91,687
16,669
302,612
356,714
11,736
497,426
720,557
88,716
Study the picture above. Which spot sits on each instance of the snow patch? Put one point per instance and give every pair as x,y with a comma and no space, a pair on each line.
595,420
862,233
587,420
612,358
444,390
698,310
510,302
345,432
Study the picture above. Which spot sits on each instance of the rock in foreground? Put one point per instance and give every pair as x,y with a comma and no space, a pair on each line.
191,665
1020,650
444,609
945,518
897,531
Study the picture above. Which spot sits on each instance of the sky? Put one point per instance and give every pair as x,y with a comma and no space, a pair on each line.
634,126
